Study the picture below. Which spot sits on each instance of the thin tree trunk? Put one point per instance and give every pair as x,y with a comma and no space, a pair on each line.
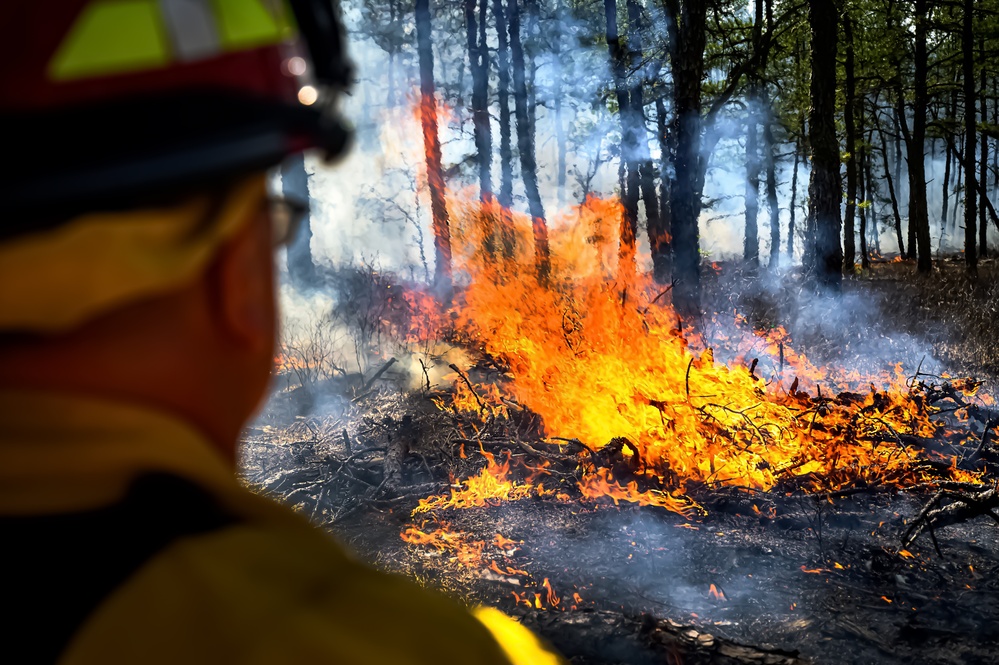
891,193
900,107
995,123
525,146
629,165
432,148
295,186
478,65
560,138
824,188
872,194
799,140
636,101
794,203
503,97
849,120
915,147
751,240
958,186
751,246
529,46
769,157
393,50
949,143
772,203
659,238
970,127
506,149
983,170
863,203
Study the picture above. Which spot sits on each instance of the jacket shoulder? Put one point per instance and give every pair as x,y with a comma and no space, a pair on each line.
275,592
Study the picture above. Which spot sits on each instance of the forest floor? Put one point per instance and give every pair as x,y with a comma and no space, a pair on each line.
818,575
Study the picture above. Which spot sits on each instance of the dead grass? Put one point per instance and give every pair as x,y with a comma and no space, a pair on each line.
887,314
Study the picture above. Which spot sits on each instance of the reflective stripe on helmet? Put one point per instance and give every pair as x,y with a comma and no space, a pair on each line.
250,23
192,28
112,37
126,36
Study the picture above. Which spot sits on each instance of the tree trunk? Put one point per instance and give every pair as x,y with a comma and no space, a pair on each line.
903,125
769,157
432,148
751,240
393,51
849,120
864,201
899,183
958,187
525,146
629,157
872,193
478,65
659,238
687,51
506,149
636,101
751,246
824,189
772,203
295,186
983,169
970,127
891,193
916,146
560,139
503,97
794,203
949,143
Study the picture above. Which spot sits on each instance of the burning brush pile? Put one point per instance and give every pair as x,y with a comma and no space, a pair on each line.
582,391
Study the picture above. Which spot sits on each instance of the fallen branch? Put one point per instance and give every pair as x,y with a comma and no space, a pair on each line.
964,506
377,375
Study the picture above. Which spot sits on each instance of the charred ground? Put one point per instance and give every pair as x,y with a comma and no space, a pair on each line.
825,575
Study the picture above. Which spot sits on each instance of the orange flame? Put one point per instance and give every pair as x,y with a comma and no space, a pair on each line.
602,356
493,483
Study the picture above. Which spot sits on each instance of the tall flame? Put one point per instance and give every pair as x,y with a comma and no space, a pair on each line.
602,357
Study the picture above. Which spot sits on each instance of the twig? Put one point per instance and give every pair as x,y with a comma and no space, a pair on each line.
471,388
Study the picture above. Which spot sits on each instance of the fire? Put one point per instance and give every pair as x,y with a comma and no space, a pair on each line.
456,543
716,593
592,345
601,356
602,484
553,599
493,483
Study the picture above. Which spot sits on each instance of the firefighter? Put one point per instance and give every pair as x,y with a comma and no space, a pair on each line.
137,330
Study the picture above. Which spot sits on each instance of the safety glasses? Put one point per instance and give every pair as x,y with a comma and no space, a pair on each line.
287,215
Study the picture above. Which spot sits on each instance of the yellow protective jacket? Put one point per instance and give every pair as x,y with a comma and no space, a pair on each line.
246,581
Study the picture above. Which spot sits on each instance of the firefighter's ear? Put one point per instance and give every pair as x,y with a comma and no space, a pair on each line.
244,287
